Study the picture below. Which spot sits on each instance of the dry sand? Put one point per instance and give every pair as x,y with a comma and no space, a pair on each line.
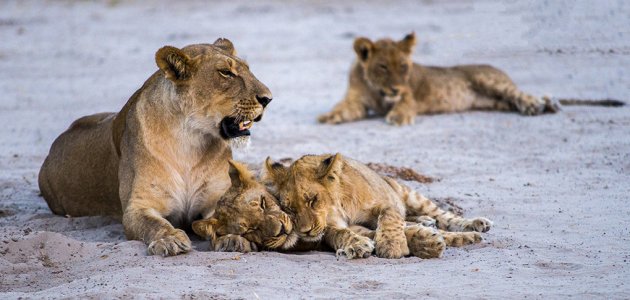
557,186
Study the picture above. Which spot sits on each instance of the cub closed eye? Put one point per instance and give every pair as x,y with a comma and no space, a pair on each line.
226,73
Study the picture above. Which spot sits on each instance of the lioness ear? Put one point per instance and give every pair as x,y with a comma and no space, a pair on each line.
175,64
225,45
363,47
407,43
330,168
274,170
205,228
239,174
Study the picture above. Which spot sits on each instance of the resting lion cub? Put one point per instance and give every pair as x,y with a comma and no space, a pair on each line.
162,161
248,218
327,194
385,81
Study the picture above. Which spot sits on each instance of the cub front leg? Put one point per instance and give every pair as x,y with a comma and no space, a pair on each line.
351,108
404,111
148,225
348,243
390,238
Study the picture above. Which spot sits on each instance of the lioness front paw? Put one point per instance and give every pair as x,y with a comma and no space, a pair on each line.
174,243
426,242
479,225
360,247
400,118
233,243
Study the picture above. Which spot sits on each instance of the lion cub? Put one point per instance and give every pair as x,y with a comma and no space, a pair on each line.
248,218
385,81
327,194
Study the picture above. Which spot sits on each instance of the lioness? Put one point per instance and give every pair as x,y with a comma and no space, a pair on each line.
326,194
385,81
248,218
162,161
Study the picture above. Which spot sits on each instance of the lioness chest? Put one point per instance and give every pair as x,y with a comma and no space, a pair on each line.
193,185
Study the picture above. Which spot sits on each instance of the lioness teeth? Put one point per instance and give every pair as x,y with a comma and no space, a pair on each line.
245,125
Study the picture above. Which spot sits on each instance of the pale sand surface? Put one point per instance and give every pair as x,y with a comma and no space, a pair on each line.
557,186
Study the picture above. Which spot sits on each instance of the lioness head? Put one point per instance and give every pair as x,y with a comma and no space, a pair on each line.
386,64
248,210
213,88
307,190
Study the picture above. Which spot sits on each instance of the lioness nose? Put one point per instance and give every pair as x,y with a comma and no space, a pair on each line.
263,100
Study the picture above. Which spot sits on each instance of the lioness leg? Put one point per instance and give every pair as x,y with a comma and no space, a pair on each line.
390,238
351,108
149,225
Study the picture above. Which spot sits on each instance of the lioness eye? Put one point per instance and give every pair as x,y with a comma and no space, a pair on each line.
226,73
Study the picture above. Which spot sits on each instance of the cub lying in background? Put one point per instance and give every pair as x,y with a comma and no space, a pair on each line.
386,81
247,217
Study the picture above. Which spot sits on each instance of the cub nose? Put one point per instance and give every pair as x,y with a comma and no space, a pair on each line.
263,100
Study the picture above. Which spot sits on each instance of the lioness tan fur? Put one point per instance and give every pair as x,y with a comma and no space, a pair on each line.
384,80
162,161
247,218
326,194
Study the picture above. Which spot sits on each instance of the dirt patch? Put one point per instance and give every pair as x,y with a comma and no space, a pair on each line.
449,204
403,173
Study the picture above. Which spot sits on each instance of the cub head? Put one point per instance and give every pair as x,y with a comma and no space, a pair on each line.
213,89
248,210
386,64
307,190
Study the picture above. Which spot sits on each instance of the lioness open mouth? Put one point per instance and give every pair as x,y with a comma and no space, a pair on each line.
230,128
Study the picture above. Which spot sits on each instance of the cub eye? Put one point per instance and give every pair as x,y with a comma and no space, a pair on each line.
382,67
404,68
226,73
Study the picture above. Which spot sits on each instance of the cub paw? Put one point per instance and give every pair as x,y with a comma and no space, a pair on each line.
174,243
233,243
360,247
394,248
534,106
479,225
460,239
425,221
333,117
426,243
400,119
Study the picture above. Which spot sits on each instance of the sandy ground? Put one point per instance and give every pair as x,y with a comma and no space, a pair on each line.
557,186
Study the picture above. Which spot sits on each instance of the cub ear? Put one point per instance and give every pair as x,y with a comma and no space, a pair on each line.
175,64
407,43
225,45
274,171
239,174
206,228
330,168
363,47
